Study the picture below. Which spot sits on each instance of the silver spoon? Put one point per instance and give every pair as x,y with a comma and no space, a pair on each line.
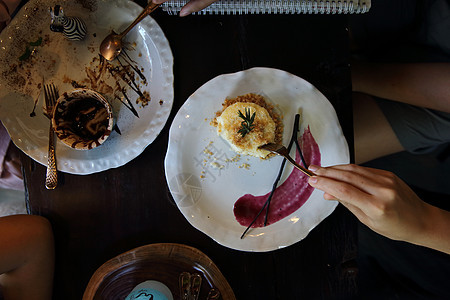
111,46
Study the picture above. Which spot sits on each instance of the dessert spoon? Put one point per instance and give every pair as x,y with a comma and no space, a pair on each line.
112,45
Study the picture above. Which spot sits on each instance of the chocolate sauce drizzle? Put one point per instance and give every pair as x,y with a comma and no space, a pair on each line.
125,72
33,112
128,77
129,104
132,64
294,139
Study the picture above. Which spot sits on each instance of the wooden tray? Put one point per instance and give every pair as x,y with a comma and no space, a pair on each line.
162,262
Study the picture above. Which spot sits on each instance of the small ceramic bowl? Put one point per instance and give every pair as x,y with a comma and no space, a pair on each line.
82,119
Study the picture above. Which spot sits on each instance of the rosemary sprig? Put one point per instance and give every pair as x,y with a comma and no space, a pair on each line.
246,125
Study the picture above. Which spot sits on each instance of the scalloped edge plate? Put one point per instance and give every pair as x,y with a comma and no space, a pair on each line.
151,51
206,195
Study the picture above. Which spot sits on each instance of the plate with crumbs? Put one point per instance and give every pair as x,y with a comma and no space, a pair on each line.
217,190
31,54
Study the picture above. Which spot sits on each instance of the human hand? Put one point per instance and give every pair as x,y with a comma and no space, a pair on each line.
190,7
377,198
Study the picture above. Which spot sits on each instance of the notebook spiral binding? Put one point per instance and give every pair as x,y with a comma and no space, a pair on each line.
234,7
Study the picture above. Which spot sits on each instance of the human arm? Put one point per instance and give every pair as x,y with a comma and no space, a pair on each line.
386,204
26,257
7,8
421,84
191,7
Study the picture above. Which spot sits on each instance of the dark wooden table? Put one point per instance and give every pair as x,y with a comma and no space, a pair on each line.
96,217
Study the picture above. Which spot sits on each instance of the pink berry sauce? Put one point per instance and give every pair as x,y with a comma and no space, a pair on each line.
288,197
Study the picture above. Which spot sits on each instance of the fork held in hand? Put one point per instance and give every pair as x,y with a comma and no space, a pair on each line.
281,150
51,95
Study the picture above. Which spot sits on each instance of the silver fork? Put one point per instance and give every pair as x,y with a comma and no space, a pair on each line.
281,150
50,95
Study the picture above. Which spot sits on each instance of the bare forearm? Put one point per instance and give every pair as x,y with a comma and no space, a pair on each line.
385,203
421,84
437,233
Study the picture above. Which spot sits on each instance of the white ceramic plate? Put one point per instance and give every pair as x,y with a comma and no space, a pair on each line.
207,203
58,60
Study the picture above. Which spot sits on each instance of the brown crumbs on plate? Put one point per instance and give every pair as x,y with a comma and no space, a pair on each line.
144,99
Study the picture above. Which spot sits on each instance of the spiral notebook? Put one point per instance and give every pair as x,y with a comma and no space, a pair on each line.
223,7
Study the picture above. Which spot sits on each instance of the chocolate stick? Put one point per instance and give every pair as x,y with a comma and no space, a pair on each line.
283,163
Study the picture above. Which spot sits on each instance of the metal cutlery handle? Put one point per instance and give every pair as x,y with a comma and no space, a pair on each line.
51,179
305,171
283,151
185,285
147,10
196,282
213,294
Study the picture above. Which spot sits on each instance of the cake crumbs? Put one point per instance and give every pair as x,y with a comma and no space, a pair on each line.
217,165
235,158
213,161
245,166
208,152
